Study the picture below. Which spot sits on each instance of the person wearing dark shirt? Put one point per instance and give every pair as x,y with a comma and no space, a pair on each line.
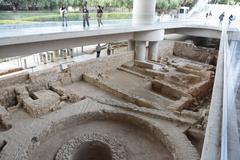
99,15
221,17
210,13
98,50
230,19
85,16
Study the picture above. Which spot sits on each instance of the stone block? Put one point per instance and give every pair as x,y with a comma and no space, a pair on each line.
41,102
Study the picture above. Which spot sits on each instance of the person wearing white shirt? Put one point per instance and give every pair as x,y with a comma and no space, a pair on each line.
63,13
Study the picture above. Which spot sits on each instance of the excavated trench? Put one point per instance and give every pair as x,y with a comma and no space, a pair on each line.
176,90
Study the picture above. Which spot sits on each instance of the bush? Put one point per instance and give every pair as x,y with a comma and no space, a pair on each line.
13,18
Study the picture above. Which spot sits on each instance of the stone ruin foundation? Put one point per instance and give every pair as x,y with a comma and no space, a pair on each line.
110,108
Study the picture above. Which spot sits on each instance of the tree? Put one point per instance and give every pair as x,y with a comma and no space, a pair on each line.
188,3
165,5
128,4
14,3
223,1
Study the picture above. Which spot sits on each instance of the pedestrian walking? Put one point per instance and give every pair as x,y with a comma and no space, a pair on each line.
230,19
206,17
210,13
99,15
85,16
98,50
63,13
109,49
221,17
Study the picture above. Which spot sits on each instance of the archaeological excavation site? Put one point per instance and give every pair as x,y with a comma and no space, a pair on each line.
111,108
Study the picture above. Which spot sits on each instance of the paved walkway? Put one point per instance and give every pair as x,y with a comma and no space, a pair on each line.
73,26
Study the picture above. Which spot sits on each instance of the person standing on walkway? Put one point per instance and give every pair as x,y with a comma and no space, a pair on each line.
99,15
206,17
230,19
109,49
210,13
98,50
85,16
63,13
221,17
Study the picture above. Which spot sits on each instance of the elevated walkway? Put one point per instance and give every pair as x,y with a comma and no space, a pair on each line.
34,38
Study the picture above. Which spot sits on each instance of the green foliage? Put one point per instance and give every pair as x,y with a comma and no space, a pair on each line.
168,4
162,4
55,4
223,1
26,17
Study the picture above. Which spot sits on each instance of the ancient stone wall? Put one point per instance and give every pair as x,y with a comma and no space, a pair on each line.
165,48
41,80
7,85
100,65
192,52
13,79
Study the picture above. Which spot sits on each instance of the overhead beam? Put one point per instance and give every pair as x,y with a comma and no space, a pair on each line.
37,47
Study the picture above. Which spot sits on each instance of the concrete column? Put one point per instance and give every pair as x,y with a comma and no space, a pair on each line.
25,63
38,58
144,11
153,51
75,51
52,55
71,53
140,50
65,53
56,53
131,45
44,56
82,49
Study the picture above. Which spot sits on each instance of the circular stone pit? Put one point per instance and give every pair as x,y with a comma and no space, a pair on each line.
92,146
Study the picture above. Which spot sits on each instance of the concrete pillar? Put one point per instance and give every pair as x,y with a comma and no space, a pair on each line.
44,56
131,45
140,50
153,51
52,55
75,51
56,53
144,11
82,49
71,53
25,63
38,58
65,53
